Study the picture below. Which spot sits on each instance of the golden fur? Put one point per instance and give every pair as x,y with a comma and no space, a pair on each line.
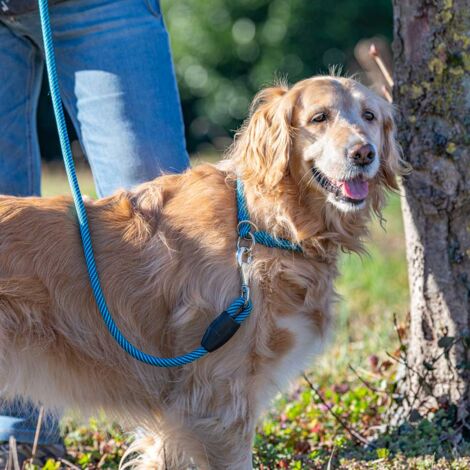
165,253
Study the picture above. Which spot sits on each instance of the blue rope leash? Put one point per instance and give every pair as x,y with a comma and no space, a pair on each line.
228,322
263,238
235,313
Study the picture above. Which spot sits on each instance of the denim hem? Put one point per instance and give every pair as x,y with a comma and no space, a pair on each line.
26,436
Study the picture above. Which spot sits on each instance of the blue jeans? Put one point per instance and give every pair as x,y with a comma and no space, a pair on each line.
118,85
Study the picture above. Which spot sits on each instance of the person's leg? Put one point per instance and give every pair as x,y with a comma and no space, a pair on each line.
118,83
20,78
20,420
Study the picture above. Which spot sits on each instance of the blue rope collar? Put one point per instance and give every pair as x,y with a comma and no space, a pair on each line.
263,238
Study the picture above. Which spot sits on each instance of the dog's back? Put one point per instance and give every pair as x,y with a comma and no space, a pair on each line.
48,319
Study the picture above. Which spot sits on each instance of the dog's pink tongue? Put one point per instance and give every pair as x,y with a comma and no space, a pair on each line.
355,189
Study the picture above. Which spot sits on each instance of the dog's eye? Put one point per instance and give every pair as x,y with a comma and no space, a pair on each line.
368,116
320,117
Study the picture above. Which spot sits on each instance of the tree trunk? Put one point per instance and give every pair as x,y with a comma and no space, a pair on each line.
431,92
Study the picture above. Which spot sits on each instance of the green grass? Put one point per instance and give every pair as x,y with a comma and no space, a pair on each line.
299,431
54,180
373,288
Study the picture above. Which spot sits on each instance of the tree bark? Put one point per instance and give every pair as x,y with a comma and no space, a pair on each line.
431,92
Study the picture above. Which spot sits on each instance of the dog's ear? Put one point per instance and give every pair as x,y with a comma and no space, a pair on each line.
263,147
392,163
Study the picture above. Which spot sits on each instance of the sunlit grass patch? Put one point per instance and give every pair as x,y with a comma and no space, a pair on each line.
300,431
96,443
54,180
373,288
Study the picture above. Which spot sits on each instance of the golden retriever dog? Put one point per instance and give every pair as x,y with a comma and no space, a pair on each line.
316,160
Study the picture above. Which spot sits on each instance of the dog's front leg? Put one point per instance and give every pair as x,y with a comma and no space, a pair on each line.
212,444
205,443
225,448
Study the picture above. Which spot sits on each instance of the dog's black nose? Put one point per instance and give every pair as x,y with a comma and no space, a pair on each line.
362,154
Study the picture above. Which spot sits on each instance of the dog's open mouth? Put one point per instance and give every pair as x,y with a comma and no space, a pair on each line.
353,191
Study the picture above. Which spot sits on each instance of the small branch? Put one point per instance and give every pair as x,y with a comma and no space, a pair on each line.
69,464
446,349
102,460
13,462
36,435
412,404
353,433
401,361
387,94
397,330
330,460
374,53
415,395
365,382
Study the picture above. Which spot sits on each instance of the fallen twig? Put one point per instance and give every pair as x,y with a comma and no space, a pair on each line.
330,460
37,434
13,462
102,460
365,382
68,464
352,432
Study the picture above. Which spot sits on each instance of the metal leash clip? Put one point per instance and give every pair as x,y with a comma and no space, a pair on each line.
244,259
244,256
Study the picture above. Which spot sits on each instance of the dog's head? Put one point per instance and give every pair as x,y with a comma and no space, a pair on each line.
330,135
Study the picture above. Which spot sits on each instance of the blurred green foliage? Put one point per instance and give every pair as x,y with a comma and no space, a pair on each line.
226,50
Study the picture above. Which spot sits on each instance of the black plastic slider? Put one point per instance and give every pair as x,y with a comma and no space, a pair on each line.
219,332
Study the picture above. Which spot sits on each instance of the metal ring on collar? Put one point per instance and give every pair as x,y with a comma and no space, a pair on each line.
249,222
